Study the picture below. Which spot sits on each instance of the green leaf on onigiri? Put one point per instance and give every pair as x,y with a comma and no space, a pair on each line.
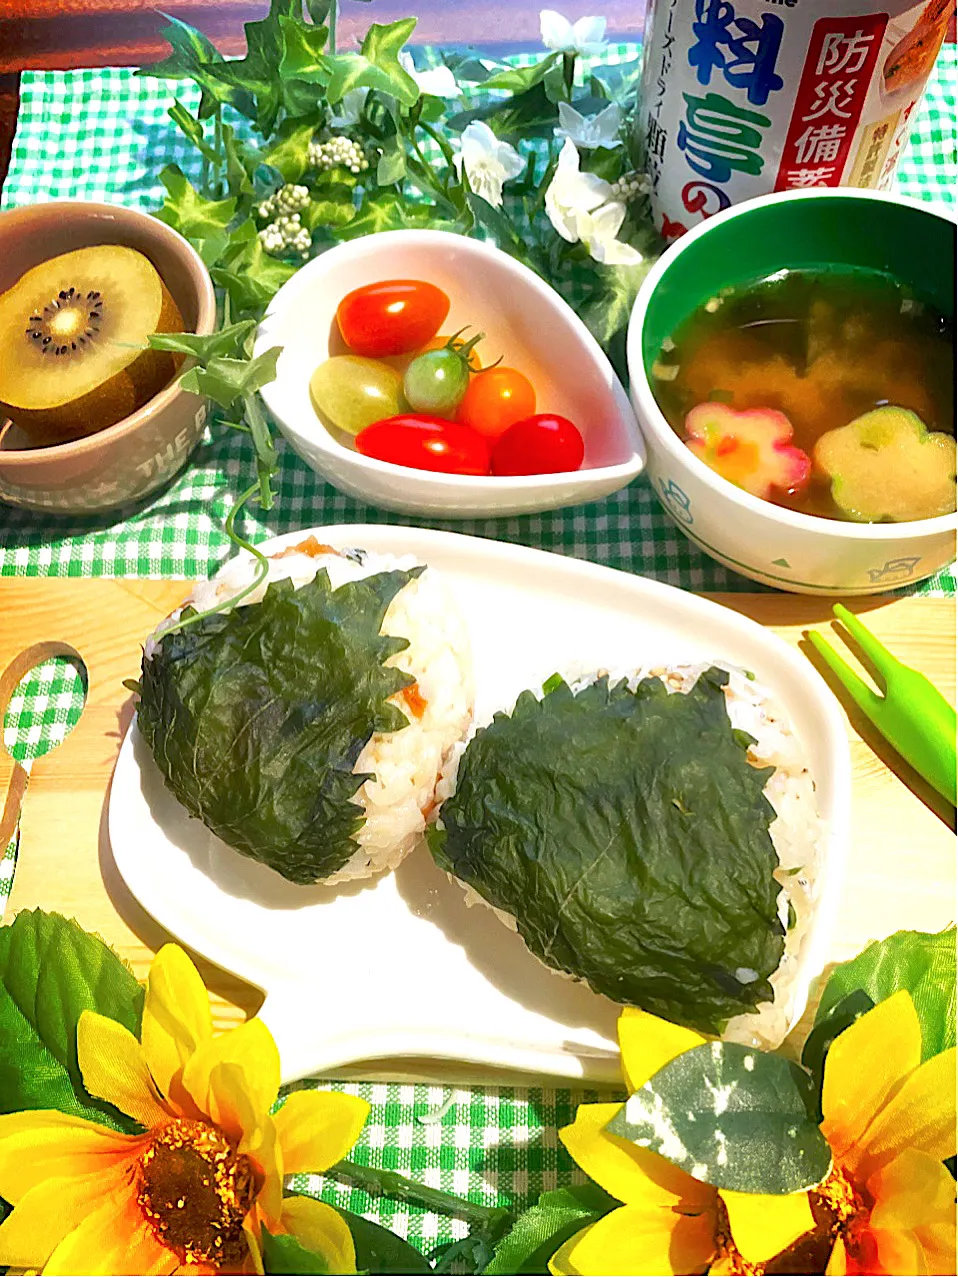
628,835
256,717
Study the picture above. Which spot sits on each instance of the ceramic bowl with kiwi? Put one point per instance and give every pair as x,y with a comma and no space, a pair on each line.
91,418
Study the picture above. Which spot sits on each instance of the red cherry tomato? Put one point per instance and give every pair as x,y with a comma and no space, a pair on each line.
425,443
543,444
392,317
495,399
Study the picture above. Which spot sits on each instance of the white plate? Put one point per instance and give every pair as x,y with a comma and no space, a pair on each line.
401,967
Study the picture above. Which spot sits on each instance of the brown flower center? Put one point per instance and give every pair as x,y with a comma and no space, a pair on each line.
195,1190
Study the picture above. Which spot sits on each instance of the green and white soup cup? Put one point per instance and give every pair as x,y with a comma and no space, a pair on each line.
798,229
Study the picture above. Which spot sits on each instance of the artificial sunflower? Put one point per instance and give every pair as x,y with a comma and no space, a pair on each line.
887,1205
194,1192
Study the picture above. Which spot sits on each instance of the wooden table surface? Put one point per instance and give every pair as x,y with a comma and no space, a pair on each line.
901,871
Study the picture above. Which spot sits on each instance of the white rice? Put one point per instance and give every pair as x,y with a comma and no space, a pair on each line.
796,831
406,764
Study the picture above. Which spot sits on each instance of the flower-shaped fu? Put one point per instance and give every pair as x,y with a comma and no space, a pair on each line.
194,1191
887,1205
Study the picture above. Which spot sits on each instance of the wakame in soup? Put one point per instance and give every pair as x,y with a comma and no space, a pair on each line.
831,392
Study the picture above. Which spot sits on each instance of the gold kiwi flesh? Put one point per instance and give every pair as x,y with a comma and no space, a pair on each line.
73,332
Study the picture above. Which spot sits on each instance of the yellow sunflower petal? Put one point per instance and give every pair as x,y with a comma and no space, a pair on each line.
763,1224
648,1044
41,1144
112,1242
629,1173
937,1242
231,1108
864,1067
114,1069
911,1191
920,1115
176,1014
45,1214
899,1253
321,1229
317,1128
636,1241
253,1239
837,1265
251,1049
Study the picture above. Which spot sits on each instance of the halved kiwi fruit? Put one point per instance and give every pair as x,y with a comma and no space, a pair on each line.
73,335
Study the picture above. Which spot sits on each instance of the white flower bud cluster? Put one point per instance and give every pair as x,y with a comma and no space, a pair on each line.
338,152
630,186
285,229
287,200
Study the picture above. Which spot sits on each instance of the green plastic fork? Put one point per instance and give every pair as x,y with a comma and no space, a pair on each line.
912,715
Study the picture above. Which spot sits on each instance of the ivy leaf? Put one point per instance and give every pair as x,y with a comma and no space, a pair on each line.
731,1116
318,11
192,128
258,74
288,151
250,275
921,962
227,343
380,1251
303,57
498,225
609,308
387,212
376,66
225,380
539,1231
332,201
242,161
203,222
521,79
192,58
392,162
50,971
286,1254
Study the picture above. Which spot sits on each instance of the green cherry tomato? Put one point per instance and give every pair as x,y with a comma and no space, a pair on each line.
436,381
350,393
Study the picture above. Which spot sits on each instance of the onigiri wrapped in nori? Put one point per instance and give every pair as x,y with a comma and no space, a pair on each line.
653,833
308,725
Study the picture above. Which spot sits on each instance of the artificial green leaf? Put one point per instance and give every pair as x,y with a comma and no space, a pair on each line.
226,380
250,275
50,971
539,1231
288,151
526,115
920,961
730,1116
283,1253
332,201
498,225
256,717
229,342
257,74
818,1043
377,66
610,305
303,52
203,222
380,1251
193,58
318,11
627,834
521,79
387,212
242,161
392,162
193,129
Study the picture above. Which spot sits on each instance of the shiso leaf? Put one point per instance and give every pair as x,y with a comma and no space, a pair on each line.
730,1116
627,834
256,717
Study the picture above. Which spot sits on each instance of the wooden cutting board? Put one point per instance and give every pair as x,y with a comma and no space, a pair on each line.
901,871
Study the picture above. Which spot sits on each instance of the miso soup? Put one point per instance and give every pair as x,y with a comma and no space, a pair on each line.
830,392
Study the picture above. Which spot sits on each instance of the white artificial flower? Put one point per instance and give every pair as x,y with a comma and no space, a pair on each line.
583,208
590,132
350,108
488,161
585,37
439,82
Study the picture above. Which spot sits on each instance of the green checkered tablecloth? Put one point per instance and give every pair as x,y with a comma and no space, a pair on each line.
106,135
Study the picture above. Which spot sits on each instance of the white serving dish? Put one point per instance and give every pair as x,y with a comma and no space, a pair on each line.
401,967
526,320
779,547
